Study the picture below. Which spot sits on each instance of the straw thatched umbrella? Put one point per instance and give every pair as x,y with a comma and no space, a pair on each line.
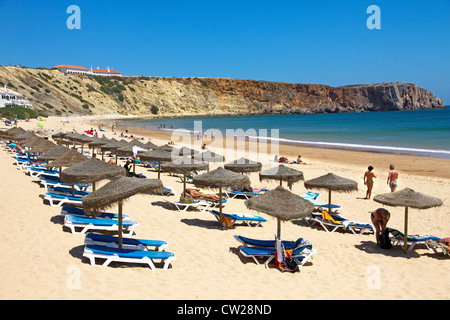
243,165
185,152
281,204
79,138
96,143
50,153
150,145
156,155
43,146
332,182
282,173
118,190
32,141
68,159
91,171
166,147
112,147
209,156
184,166
219,178
408,198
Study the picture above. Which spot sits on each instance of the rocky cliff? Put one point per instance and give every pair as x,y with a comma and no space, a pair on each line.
54,93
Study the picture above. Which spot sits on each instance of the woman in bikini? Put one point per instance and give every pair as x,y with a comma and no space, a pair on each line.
380,218
368,181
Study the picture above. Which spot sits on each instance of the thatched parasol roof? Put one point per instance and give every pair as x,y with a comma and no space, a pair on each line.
185,152
68,159
81,138
23,136
91,171
59,135
156,155
282,204
150,145
113,146
220,178
408,198
184,166
166,147
50,153
32,141
96,142
332,182
209,156
15,131
243,165
281,173
119,189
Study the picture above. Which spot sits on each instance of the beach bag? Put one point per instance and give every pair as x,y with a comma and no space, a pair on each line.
186,199
385,241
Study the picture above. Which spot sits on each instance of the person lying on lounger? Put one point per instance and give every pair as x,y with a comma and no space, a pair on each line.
196,193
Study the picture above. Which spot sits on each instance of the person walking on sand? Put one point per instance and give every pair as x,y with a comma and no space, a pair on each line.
392,178
379,218
368,181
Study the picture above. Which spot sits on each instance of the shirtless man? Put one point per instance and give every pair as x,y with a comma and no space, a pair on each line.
368,181
392,178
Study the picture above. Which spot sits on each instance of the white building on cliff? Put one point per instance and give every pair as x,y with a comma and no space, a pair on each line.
82,70
11,98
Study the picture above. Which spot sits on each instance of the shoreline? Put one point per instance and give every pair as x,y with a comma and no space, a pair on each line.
411,164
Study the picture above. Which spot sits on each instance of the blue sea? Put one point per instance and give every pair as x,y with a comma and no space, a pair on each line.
418,132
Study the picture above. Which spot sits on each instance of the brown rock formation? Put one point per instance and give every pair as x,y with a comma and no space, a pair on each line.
54,93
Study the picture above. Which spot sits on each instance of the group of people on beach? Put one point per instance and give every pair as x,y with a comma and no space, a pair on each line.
369,175
380,216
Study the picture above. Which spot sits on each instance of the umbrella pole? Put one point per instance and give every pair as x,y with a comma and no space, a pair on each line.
120,224
220,205
405,237
184,185
159,169
279,228
329,202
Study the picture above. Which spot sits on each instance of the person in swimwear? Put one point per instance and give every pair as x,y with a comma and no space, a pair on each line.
380,218
392,178
368,181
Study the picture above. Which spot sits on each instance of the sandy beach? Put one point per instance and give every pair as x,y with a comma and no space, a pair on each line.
41,259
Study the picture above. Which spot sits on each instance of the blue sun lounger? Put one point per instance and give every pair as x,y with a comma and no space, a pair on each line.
51,181
85,224
67,191
57,200
74,211
247,242
127,243
250,220
93,252
412,240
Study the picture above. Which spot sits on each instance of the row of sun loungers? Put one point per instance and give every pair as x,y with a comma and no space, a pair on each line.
97,245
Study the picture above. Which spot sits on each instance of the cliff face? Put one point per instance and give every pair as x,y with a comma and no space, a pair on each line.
54,93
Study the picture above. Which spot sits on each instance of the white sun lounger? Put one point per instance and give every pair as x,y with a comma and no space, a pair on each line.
93,252
86,224
181,206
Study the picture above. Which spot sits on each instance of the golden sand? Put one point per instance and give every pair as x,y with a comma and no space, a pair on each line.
41,259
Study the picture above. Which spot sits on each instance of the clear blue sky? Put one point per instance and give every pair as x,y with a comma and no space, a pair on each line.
324,42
